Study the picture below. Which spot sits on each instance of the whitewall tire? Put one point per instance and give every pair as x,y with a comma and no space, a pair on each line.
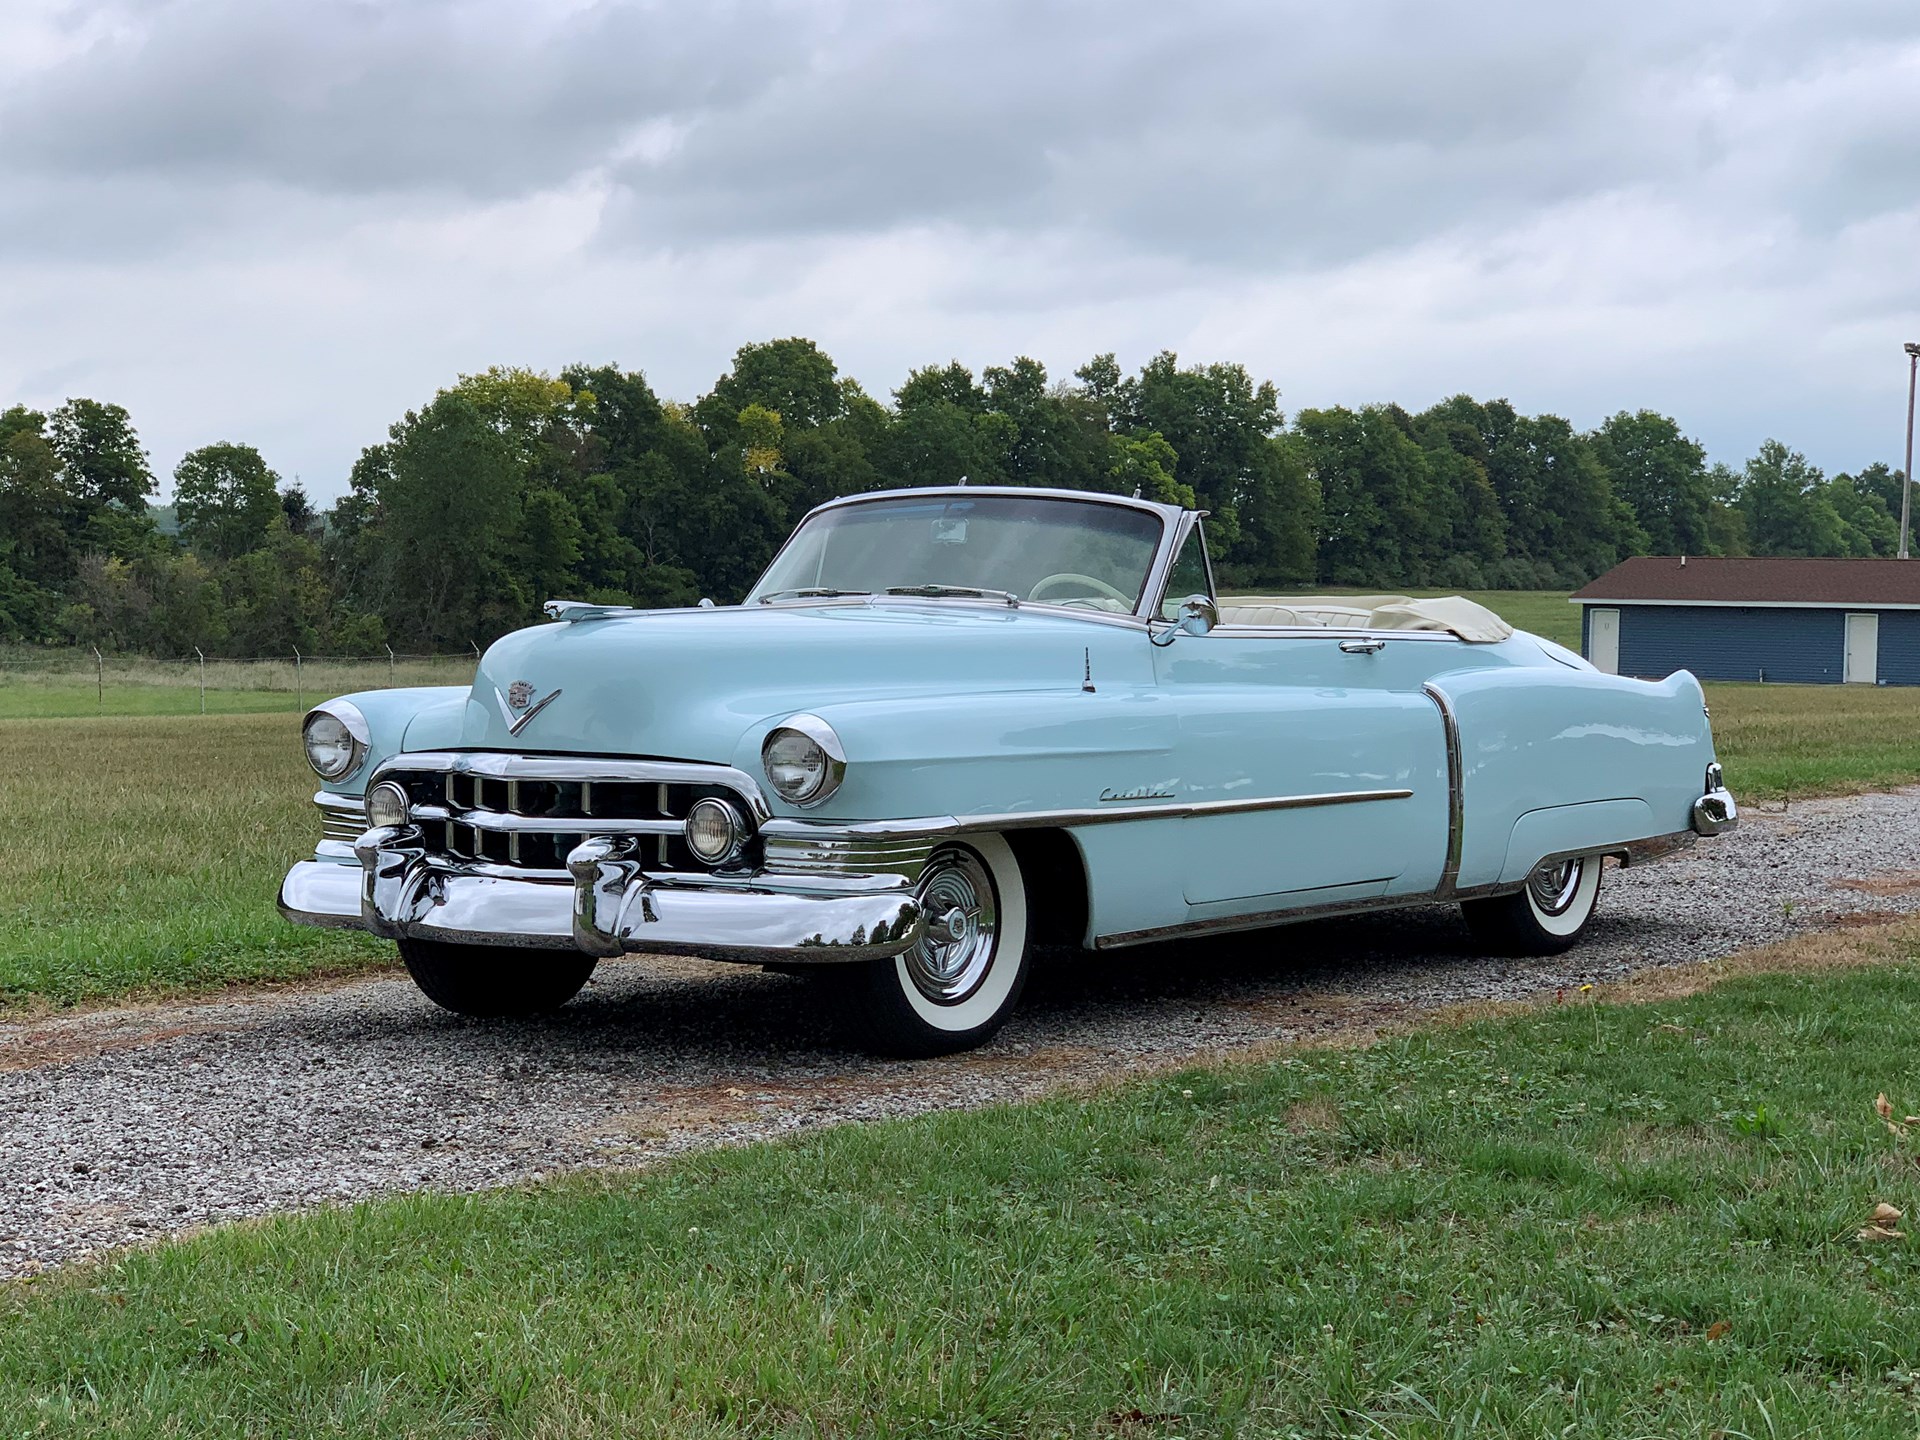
955,988
1546,916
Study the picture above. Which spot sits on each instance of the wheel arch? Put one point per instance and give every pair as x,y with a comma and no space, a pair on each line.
1055,874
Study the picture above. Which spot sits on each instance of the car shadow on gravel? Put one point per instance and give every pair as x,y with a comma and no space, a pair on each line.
725,1015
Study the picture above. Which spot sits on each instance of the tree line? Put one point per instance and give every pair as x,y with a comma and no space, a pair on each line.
512,486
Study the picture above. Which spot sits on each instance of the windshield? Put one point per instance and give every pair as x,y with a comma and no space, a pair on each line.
1061,552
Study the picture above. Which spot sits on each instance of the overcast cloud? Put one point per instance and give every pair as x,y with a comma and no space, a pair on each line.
288,223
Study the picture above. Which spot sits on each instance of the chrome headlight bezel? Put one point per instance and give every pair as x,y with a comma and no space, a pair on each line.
359,735
831,767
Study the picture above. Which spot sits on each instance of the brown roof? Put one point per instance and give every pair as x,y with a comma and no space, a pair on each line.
1752,580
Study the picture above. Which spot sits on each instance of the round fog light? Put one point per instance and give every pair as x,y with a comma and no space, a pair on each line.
387,804
714,831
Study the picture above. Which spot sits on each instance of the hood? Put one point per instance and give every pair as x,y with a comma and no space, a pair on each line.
688,684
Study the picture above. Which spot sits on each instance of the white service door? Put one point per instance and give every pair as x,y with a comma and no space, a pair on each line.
1863,650
1603,640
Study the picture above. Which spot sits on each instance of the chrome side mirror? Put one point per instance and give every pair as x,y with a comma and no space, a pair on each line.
1196,615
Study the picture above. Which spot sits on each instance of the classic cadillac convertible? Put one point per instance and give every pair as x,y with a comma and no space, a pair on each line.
950,724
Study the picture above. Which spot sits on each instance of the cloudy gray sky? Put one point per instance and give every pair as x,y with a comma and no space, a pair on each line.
286,223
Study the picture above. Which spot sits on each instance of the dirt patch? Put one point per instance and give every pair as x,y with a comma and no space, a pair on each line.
1316,1112
70,1041
1895,882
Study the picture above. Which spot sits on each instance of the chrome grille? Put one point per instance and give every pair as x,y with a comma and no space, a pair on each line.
342,817
839,856
529,812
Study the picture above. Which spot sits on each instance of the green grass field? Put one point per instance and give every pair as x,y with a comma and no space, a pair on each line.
1799,741
50,685
144,854
1588,1220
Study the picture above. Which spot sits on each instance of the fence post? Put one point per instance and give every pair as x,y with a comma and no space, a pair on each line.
100,679
390,680
299,690
476,648
203,678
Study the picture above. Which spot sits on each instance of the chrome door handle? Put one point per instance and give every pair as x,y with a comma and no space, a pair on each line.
1361,647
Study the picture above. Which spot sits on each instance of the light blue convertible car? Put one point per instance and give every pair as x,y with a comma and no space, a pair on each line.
951,724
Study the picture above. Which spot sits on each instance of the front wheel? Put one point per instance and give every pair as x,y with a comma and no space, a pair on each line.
492,981
955,988
1546,916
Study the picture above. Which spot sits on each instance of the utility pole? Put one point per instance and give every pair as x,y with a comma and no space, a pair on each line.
1906,476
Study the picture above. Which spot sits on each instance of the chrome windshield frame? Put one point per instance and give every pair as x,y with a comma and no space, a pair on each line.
1174,524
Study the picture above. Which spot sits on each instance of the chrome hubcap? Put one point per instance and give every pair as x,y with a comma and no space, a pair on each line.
1554,885
952,958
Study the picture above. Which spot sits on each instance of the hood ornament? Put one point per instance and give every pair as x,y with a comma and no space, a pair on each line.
518,707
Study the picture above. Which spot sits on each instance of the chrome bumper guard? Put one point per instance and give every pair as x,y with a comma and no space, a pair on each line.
606,904
1715,813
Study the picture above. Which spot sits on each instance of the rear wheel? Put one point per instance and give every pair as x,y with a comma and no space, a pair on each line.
490,981
1546,916
956,987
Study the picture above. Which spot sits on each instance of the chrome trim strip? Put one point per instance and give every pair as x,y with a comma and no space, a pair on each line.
935,826
1331,632
967,492
506,823
1160,575
1628,852
1456,788
1045,607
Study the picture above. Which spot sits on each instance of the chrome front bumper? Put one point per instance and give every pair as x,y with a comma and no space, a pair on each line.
606,905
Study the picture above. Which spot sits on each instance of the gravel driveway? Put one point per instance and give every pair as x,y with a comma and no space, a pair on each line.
125,1124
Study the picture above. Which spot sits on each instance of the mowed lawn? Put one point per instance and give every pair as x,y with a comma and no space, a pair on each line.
1799,741
145,854
55,685
1585,1220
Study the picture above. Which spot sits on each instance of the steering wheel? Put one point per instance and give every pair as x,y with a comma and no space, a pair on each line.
1067,577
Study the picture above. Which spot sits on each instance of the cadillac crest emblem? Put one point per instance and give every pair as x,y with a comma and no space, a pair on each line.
520,694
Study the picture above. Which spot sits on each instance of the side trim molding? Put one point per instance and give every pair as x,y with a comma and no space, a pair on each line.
941,825
1456,789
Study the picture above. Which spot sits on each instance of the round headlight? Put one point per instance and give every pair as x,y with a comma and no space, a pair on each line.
715,831
804,760
387,804
335,737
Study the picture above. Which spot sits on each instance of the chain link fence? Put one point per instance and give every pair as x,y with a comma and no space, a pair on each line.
59,682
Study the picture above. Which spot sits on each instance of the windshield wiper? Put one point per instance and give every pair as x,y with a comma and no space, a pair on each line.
968,592
811,592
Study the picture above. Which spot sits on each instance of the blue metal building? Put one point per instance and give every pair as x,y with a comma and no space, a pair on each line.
1791,621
